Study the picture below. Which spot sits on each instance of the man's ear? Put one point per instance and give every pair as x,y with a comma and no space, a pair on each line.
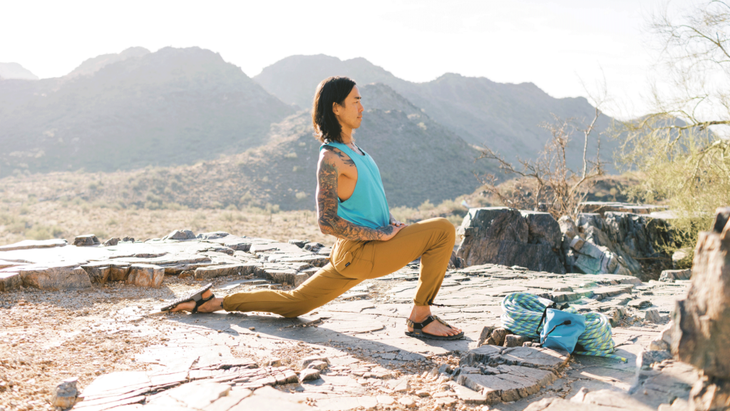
335,108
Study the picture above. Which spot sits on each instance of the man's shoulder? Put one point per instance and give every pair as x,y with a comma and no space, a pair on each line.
335,156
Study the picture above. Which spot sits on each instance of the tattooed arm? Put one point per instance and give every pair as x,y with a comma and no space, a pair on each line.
328,173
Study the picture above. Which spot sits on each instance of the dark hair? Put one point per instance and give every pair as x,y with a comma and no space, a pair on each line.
330,90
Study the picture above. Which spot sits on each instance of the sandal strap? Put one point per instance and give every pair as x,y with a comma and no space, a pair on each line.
442,321
201,301
419,326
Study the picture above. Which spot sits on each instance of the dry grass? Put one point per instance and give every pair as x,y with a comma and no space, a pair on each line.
57,205
49,219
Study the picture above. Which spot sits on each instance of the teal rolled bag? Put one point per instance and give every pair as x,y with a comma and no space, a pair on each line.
560,329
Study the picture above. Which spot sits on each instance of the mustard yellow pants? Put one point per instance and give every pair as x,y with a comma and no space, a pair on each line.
352,262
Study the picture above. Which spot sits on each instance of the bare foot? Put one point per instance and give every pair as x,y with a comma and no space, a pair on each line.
420,313
216,304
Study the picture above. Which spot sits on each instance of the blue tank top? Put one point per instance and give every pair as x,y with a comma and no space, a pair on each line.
367,206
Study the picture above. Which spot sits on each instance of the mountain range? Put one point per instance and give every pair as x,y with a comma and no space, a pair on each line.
507,118
174,106
226,136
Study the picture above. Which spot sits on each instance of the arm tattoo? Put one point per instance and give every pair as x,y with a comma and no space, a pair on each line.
344,157
329,221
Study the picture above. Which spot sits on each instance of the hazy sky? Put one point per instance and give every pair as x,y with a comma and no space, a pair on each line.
553,44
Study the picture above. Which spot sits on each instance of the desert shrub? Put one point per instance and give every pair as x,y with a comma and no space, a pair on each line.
198,222
404,214
688,170
678,146
426,206
42,232
38,232
6,218
300,195
173,206
24,210
17,227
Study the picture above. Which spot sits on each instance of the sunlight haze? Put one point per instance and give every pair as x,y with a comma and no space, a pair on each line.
564,47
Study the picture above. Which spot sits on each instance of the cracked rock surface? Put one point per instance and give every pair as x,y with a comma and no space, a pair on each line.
349,354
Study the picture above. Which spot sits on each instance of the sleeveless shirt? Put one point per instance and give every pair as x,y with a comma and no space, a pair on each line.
367,206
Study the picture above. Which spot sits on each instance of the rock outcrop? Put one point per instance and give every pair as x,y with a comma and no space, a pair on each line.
615,243
55,265
506,236
612,243
701,332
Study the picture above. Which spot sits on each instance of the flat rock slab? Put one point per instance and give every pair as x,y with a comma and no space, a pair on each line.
535,357
210,384
213,271
602,400
665,380
194,395
54,277
31,244
218,254
508,383
5,264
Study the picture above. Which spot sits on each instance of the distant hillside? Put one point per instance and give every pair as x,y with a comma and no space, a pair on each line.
94,64
14,71
174,106
505,117
419,160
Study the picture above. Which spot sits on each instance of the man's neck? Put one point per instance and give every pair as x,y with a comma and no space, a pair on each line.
346,136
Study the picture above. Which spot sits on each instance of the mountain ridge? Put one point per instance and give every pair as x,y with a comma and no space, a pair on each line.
505,117
173,106
14,71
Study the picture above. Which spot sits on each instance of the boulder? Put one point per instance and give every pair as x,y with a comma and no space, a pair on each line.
213,235
145,275
672,275
701,332
298,243
59,277
10,279
627,241
118,271
98,271
180,235
542,229
65,394
112,241
86,240
499,235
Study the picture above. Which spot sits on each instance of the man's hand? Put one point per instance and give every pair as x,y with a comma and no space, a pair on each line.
391,230
395,222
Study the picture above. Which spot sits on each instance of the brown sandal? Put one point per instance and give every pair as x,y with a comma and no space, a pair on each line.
420,334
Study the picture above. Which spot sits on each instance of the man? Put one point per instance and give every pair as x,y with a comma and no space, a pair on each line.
351,205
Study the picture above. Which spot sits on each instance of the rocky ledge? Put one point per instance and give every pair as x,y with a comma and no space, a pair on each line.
56,265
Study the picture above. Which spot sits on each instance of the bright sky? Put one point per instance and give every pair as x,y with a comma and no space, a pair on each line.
556,44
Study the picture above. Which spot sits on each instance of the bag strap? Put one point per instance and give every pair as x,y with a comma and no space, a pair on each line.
566,322
544,313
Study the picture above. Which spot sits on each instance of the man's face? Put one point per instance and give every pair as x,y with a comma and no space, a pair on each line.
350,113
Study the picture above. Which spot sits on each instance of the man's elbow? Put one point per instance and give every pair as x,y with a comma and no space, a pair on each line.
326,228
